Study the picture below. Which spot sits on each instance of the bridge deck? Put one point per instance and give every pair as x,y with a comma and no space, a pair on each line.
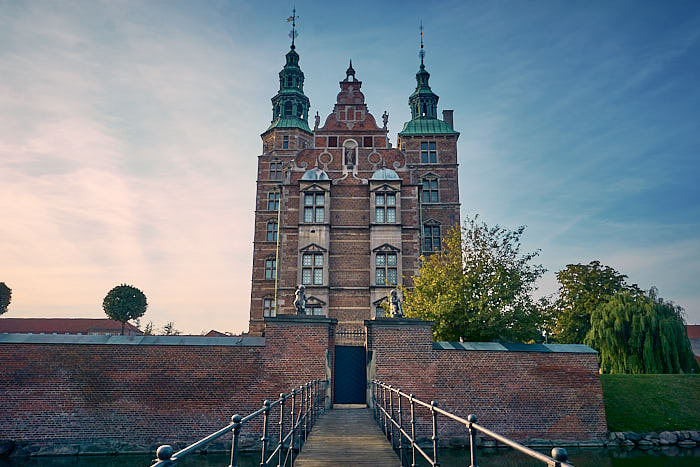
347,436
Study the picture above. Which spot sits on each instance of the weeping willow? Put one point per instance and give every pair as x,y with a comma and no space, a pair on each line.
641,333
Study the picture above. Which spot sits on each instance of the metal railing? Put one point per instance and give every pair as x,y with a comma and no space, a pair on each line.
391,420
307,403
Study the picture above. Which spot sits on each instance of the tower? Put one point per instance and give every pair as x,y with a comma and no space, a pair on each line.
339,209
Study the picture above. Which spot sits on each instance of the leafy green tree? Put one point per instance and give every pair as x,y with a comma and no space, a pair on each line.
582,289
478,287
169,329
638,333
123,303
5,297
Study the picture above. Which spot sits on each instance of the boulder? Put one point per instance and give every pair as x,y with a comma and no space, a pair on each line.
667,438
695,436
687,443
632,436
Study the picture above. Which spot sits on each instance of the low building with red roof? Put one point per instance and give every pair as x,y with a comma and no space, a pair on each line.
86,326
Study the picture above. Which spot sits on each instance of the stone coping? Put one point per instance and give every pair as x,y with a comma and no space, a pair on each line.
198,341
398,322
506,347
300,320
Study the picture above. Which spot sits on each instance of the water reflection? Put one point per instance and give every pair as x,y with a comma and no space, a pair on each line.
667,457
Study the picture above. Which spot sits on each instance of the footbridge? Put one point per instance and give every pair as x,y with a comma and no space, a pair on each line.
301,429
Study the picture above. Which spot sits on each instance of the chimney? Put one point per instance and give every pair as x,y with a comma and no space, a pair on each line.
447,116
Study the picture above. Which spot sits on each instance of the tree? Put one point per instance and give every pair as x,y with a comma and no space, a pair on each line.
639,333
123,303
478,287
148,330
169,329
582,289
5,297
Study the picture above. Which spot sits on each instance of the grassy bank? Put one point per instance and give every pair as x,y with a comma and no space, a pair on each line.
652,402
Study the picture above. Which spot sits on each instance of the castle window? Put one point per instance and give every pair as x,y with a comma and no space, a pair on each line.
270,268
314,208
332,141
431,237
268,307
287,108
367,141
299,110
430,190
285,142
312,269
289,81
272,231
276,170
314,310
385,208
428,153
273,201
386,272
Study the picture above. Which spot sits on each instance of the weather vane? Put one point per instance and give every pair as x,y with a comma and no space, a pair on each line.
421,54
293,19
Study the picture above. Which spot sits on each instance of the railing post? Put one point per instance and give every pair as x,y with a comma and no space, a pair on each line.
280,445
472,440
294,422
436,460
400,428
384,407
302,415
413,429
559,455
391,411
264,439
375,410
236,419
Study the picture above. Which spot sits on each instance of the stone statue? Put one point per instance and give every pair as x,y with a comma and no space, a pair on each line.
300,300
385,119
349,156
317,121
395,310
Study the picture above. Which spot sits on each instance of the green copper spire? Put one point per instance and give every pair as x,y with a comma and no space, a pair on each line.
423,103
290,107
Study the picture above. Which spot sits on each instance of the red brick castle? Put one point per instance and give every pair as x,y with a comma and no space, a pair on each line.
342,211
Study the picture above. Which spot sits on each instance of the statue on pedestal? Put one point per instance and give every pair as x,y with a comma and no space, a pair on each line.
300,300
395,310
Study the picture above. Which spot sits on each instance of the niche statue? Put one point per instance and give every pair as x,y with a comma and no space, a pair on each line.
395,310
300,300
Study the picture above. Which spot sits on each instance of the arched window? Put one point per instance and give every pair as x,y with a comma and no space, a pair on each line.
287,108
271,231
430,193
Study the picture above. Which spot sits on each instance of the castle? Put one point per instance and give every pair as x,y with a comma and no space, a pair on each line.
339,209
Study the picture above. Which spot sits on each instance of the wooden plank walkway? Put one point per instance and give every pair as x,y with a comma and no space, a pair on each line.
347,436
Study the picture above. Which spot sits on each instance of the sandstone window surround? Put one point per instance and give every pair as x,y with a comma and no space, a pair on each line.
273,200
312,266
430,192
432,238
314,307
270,268
271,231
269,307
386,266
276,170
314,202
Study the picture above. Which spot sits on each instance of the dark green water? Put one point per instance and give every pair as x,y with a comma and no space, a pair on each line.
671,457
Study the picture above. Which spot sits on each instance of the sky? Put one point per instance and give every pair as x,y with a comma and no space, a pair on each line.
129,136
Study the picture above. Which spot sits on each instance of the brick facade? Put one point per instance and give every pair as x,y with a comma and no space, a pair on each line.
349,166
70,394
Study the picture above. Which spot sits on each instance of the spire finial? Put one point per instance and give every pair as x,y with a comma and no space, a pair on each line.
350,72
421,54
293,19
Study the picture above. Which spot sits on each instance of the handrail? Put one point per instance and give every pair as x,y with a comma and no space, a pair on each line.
307,407
385,416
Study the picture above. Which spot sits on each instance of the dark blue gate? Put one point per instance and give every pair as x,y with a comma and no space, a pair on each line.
350,375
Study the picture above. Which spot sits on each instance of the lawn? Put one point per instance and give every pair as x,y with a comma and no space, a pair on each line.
652,402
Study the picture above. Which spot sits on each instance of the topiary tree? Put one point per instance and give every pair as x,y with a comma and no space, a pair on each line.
123,303
5,297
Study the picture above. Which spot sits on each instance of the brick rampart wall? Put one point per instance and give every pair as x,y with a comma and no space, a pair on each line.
524,395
